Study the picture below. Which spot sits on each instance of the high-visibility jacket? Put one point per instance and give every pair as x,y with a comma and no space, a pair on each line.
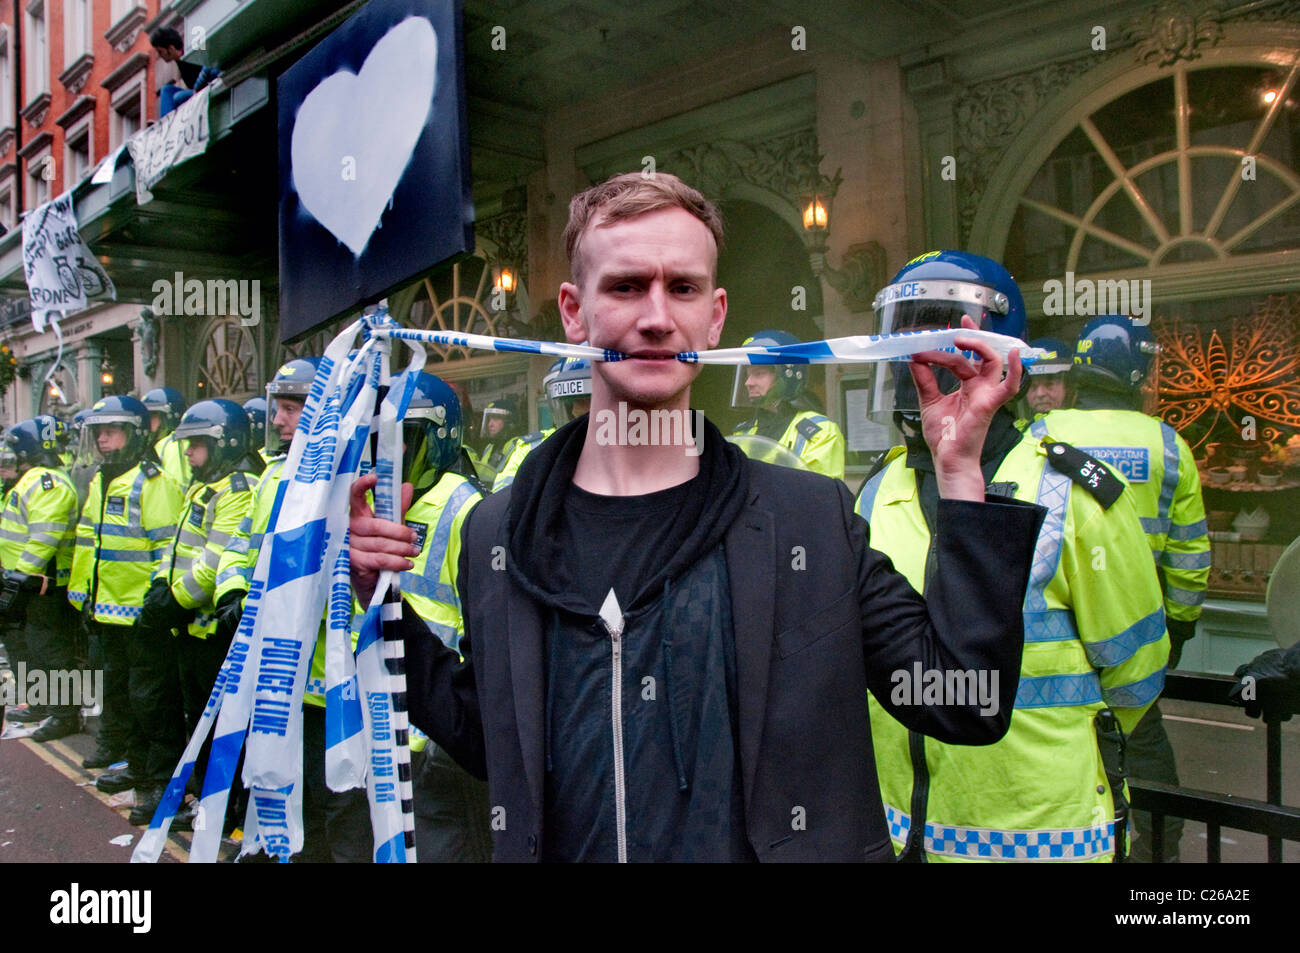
430,587
174,462
492,456
209,516
38,528
1094,638
1159,466
235,568
814,438
122,534
523,447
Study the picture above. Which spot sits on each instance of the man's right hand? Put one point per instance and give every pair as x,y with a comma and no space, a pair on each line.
376,545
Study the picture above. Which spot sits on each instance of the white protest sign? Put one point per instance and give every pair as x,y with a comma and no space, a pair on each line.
62,274
180,135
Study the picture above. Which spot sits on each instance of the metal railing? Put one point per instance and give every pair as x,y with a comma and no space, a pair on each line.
1217,811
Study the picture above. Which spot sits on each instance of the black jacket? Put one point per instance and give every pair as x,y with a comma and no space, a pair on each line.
820,617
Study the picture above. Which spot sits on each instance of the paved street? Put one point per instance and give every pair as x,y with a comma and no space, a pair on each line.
52,813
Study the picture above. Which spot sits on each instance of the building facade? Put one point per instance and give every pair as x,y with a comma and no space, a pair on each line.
1137,147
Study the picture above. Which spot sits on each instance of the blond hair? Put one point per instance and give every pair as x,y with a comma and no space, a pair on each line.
629,196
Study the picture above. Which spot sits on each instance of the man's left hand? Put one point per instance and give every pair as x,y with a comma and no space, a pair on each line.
956,424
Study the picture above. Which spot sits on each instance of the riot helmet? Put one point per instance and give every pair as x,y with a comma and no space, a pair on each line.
568,389
221,428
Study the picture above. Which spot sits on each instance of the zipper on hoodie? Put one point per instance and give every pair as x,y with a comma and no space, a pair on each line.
611,616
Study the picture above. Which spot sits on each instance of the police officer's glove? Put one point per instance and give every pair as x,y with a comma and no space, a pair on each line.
230,608
18,588
160,611
1269,684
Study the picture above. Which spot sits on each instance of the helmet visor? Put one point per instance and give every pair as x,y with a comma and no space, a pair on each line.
287,409
924,306
756,384
105,439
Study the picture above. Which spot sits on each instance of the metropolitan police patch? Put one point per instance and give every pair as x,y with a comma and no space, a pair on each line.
196,514
1133,462
115,505
421,530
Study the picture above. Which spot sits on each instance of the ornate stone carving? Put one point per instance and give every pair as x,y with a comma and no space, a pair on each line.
989,116
787,165
146,333
1169,32
860,275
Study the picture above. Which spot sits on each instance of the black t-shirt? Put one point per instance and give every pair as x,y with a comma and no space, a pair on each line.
619,542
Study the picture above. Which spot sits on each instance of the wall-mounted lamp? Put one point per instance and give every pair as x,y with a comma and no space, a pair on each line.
505,280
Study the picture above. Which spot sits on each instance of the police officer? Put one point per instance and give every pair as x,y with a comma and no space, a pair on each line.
129,515
166,407
451,806
782,410
1095,643
1112,360
568,393
214,434
336,824
36,540
500,430
1049,384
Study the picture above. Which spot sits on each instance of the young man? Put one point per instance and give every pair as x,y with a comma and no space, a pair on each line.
669,658
169,46
775,392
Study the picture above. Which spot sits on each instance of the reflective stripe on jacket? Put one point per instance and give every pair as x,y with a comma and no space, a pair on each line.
122,534
39,525
1159,466
209,517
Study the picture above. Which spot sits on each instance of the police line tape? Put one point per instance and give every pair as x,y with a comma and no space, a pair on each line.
864,348
256,701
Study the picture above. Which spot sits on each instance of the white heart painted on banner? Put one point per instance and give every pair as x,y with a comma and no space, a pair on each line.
370,122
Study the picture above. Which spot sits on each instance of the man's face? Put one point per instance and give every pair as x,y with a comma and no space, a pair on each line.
759,382
285,421
155,421
647,291
1046,392
168,54
110,438
495,424
196,453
